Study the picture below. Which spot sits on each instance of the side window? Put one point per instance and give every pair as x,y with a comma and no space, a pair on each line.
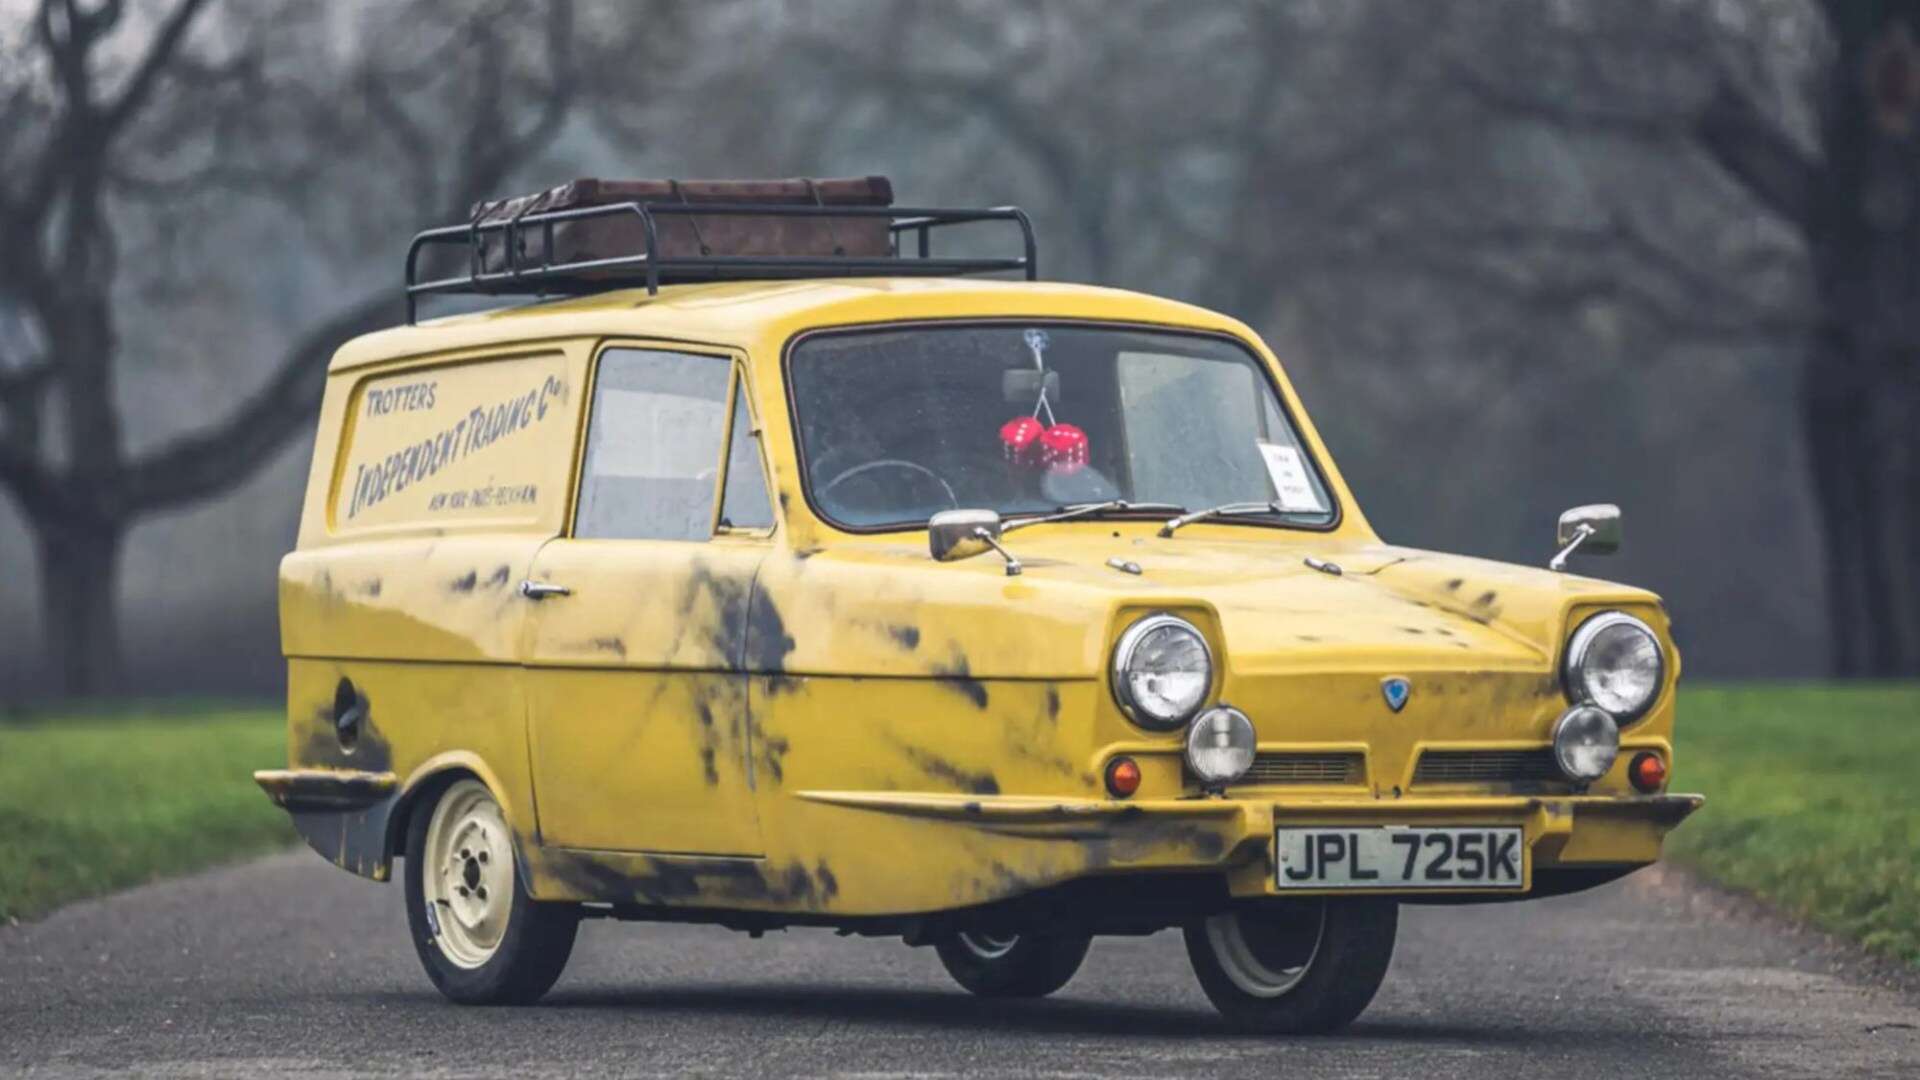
745,505
653,446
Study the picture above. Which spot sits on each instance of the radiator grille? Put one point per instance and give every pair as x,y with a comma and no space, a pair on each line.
1305,768
1486,767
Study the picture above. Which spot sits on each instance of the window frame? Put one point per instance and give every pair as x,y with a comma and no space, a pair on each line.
1265,371
738,382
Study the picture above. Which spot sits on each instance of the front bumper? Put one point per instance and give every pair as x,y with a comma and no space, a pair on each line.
1572,837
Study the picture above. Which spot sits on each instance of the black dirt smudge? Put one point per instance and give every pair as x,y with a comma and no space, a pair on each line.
907,636
1454,584
773,754
709,743
957,675
465,582
609,644
976,783
665,881
500,576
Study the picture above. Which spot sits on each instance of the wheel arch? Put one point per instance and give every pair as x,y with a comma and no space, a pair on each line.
433,776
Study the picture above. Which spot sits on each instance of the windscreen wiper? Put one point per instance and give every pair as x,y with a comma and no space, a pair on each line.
1224,510
1086,510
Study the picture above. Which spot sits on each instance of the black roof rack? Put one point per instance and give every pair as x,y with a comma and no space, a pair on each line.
656,269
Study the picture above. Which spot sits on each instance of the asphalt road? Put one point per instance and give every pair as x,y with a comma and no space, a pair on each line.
287,966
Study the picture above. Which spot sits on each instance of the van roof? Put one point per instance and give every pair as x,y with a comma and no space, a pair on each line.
749,314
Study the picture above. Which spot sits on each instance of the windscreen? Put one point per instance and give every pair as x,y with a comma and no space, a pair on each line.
897,425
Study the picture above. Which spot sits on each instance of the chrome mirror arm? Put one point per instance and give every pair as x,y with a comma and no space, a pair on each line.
1013,564
1580,533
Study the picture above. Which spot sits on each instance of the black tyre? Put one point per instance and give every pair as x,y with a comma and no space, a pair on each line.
1294,967
482,939
1012,965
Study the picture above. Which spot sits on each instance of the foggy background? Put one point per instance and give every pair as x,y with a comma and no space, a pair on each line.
1510,251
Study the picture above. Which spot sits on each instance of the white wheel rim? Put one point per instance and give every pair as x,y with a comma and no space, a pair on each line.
1264,972
467,874
989,946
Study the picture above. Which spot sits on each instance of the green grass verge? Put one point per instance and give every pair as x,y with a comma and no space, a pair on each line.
1812,803
102,801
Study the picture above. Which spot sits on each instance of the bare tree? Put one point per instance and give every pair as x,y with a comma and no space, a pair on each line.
458,95
1849,189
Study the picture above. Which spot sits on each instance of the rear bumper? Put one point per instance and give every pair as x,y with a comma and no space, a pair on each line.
1588,838
340,814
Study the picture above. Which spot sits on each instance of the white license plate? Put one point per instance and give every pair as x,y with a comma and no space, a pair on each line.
1399,857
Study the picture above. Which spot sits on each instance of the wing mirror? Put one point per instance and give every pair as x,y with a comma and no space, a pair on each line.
1590,530
961,534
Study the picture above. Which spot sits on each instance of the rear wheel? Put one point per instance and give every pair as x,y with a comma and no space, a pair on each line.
1012,965
482,939
1294,967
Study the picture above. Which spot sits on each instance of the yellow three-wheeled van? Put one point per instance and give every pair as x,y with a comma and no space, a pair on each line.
776,570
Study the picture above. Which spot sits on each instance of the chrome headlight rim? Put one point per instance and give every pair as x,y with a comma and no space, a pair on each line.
1199,725
1577,713
1123,651
1580,642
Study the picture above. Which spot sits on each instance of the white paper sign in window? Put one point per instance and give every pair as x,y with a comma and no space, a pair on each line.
1291,483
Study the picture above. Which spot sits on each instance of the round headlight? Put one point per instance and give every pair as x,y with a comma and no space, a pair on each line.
1614,661
1585,742
1220,746
1161,671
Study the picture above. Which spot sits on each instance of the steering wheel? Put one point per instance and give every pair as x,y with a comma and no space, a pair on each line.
892,463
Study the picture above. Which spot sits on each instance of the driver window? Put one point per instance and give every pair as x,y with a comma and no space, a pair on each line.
653,446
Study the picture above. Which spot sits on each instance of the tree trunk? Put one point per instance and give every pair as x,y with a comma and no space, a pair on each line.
79,570
1861,390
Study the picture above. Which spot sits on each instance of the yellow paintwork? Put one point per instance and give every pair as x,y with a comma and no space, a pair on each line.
810,720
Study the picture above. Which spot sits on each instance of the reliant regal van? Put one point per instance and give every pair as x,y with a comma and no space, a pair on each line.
776,570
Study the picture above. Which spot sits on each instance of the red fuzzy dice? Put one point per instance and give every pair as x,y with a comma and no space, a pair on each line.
1063,447
1020,440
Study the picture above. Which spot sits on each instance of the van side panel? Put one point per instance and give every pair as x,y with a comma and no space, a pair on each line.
434,484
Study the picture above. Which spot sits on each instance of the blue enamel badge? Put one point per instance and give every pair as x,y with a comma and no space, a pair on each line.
1396,690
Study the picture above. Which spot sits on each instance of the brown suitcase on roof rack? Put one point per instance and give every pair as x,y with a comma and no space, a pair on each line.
690,235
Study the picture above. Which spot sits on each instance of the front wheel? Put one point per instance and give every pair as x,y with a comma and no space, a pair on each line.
1294,967
482,939
1012,965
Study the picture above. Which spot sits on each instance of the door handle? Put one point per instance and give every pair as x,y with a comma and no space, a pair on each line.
540,590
